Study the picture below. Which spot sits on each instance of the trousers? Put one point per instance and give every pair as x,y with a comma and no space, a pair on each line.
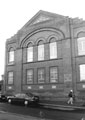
70,100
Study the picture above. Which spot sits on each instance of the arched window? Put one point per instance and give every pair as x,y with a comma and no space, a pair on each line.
30,53
40,50
53,48
11,55
81,45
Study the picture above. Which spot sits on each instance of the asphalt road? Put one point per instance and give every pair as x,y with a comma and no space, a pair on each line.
43,112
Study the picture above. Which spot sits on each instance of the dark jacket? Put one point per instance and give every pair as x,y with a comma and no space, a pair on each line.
70,94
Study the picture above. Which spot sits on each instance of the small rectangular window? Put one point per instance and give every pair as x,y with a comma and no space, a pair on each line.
10,77
53,74
29,76
41,75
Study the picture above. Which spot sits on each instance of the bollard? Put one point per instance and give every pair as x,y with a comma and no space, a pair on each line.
42,115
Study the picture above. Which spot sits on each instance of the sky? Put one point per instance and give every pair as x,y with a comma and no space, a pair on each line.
15,13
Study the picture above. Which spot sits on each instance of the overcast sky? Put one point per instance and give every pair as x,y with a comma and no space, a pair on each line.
15,13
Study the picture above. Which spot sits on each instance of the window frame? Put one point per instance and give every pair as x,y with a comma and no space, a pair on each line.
32,82
80,41
30,45
57,80
9,56
40,43
81,80
51,42
8,78
44,75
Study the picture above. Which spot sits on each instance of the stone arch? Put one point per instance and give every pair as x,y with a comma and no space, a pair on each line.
40,40
11,49
81,34
30,44
53,36
27,42
57,31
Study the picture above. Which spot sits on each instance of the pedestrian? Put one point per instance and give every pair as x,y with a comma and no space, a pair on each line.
70,95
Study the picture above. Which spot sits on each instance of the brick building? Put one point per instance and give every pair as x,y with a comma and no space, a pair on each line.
47,56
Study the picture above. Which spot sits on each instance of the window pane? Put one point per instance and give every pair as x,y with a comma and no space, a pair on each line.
11,56
82,72
41,76
10,78
81,46
41,52
53,74
29,76
30,54
53,50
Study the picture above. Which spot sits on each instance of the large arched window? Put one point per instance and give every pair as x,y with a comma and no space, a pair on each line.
53,48
81,45
30,53
11,55
40,50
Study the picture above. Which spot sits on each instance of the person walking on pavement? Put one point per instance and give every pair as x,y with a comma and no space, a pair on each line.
70,95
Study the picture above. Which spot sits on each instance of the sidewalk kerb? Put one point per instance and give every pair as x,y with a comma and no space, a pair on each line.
66,106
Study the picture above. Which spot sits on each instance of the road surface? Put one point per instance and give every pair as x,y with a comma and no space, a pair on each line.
43,112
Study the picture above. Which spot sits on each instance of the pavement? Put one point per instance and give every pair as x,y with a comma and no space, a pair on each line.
76,102
63,105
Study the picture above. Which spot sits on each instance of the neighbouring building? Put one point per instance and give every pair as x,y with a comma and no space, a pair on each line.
1,83
47,57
